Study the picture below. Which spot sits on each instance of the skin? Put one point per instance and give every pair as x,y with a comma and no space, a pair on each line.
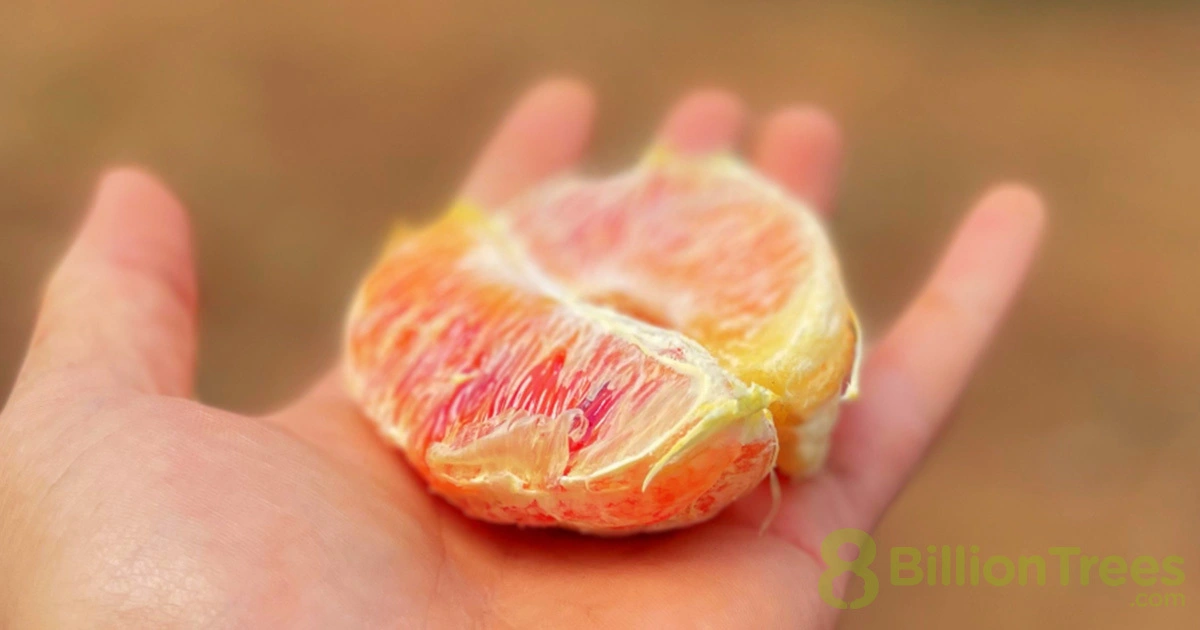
125,503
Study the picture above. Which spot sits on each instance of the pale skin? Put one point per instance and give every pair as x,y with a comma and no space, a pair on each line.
125,503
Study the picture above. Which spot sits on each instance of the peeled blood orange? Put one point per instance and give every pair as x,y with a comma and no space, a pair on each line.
614,355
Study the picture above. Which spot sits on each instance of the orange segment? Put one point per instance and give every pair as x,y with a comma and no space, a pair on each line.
522,404
709,248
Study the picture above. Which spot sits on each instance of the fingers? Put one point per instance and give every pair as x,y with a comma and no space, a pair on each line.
121,305
801,148
702,122
912,379
547,131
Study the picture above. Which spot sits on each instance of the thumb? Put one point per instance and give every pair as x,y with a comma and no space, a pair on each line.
120,309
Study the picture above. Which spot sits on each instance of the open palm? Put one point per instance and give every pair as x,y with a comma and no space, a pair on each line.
124,503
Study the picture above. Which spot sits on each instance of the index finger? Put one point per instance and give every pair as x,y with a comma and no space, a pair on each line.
545,132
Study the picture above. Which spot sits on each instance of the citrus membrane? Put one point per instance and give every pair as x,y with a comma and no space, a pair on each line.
708,247
608,355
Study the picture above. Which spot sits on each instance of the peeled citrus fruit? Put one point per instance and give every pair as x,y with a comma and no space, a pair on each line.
612,355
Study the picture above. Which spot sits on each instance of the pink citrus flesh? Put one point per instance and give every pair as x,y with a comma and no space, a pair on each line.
610,356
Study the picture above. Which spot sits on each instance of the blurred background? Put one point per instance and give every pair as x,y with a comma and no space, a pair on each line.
297,134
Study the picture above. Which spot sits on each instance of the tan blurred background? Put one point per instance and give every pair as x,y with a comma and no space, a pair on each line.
297,133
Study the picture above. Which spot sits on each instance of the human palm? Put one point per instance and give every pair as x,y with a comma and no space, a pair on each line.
124,503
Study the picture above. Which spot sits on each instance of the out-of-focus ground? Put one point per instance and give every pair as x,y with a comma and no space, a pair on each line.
297,133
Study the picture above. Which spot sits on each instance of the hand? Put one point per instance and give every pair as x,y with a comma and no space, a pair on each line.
124,503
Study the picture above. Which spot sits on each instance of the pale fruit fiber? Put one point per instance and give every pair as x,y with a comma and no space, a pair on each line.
710,248
612,356
522,405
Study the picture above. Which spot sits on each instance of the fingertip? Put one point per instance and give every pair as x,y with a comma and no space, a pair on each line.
567,109
132,194
131,174
546,131
562,107
123,300
135,218
568,90
704,120
714,100
1016,197
133,180
562,104
808,121
801,148
1011,207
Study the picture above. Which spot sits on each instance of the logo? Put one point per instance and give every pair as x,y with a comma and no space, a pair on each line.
948,566
860,566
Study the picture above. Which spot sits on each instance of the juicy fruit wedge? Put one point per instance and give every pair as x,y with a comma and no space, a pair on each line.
521,404
707,247
609,355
